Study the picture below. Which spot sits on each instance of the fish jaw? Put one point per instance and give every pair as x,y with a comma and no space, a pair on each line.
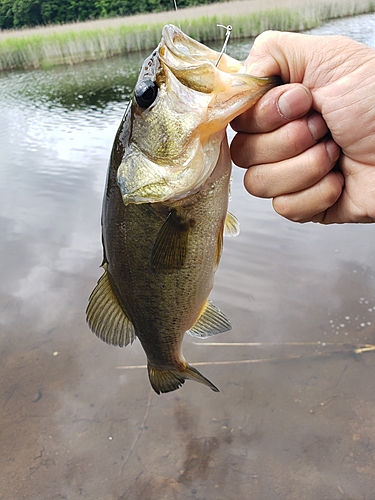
175,142
231,91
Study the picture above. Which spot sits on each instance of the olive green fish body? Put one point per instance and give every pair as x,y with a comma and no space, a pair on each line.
165,205
162,287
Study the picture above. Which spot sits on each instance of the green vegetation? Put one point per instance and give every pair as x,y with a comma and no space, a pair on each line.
75,46
20,13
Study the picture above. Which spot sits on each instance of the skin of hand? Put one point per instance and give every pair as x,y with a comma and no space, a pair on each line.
310,144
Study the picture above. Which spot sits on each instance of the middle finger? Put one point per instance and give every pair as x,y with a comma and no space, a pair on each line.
286,142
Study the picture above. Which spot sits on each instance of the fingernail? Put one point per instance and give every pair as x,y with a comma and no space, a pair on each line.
317,126
333,150
294,102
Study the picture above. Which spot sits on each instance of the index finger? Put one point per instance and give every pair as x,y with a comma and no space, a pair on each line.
277,107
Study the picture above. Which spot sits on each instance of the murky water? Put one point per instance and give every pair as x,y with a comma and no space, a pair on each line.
295,417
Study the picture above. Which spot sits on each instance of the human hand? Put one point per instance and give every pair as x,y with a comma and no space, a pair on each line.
310,144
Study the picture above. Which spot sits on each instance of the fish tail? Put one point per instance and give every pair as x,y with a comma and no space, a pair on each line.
169,380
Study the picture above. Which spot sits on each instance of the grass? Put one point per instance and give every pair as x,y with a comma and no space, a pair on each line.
53,46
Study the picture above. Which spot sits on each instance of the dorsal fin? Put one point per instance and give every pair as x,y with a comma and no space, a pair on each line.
231,225
211,322
169,250
106,317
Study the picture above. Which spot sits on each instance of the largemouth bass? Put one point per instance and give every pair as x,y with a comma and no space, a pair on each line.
165,205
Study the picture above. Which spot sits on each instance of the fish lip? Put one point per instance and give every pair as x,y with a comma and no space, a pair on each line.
193,64
186,58
171,35
179,52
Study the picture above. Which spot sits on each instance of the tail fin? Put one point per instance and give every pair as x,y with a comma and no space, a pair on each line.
170,380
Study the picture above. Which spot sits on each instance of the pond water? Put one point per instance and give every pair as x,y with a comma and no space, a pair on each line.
295,417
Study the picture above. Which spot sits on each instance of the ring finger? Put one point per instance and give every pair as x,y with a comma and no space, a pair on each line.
286,142
294,174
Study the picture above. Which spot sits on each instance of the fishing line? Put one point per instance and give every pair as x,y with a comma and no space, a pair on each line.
347,348
175,8
227,33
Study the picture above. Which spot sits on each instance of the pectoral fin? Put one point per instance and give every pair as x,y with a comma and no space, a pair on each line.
106,317
231,225
211,322
169,250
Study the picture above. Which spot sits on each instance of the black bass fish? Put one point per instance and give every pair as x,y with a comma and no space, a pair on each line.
165,205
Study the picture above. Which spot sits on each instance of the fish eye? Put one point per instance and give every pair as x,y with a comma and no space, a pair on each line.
145,93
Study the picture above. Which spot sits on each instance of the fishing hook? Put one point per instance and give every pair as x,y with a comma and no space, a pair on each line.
227,35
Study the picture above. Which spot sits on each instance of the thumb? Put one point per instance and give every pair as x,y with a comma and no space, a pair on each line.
278,53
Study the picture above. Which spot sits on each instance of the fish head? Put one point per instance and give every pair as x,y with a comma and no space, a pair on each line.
181,105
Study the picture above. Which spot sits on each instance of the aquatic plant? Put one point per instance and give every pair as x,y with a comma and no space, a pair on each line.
78,45
21,13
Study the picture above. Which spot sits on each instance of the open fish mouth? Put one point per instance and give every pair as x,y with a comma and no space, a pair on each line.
185,97
182,54
187,51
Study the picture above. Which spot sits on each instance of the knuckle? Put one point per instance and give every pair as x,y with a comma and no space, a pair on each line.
284,206
296,140
331,190
319,163
257,182
268,37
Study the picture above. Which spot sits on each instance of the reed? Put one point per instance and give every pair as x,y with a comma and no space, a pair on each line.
70,47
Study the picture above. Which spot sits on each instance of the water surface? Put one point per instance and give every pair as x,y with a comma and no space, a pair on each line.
295,417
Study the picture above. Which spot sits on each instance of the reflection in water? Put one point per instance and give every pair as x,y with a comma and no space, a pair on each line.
91,86
291,420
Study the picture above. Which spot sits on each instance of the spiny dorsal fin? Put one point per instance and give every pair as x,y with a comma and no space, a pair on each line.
164,380
105,316
169,250
231,225
211,322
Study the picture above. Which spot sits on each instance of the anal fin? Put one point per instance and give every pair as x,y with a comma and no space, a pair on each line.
211,322
106,317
